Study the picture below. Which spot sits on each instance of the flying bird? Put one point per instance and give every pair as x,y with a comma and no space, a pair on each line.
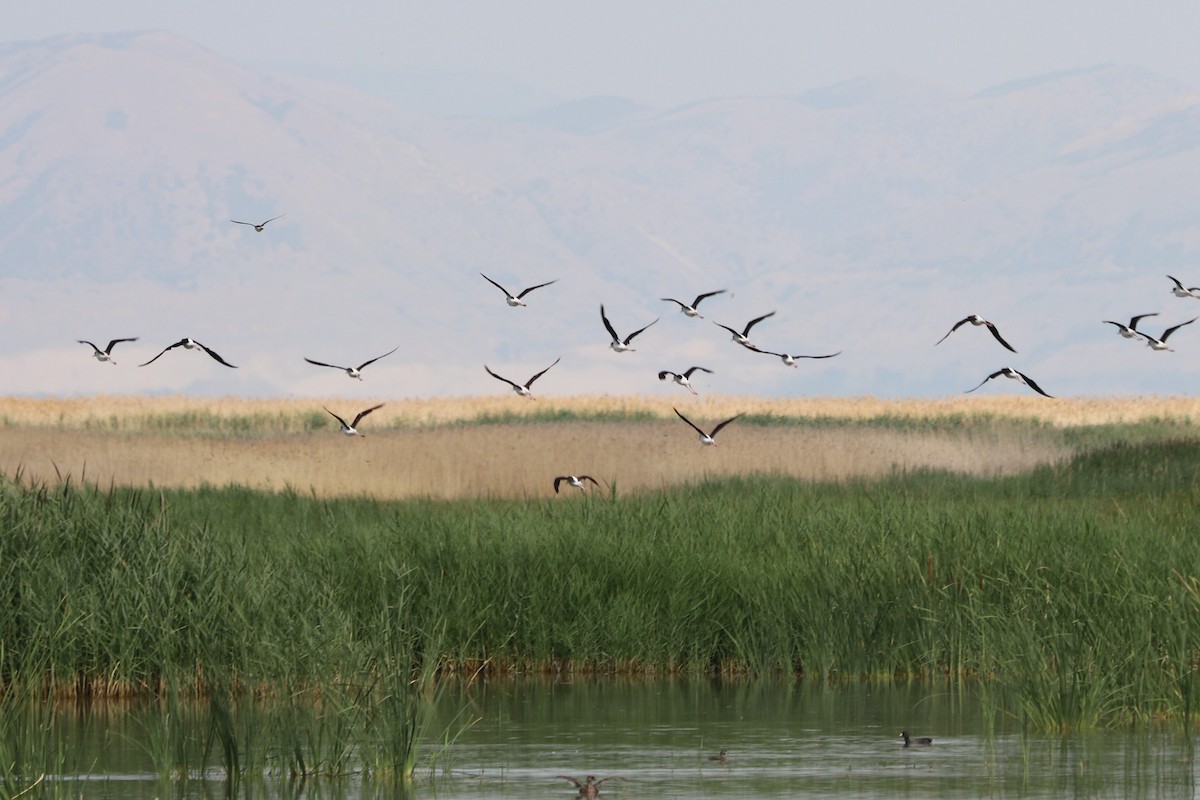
620,345
1161,342
523,391
588,788
1009,372
1179,291
259,225
352,428
707,438
514,300
1129,331
354,372
975,319
743,338
690,310
790,360
684,379
106,353
189,344
572,480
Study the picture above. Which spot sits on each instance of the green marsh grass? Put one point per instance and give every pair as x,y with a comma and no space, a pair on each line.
1071,590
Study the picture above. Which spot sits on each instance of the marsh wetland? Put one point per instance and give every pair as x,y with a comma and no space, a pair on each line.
1041,623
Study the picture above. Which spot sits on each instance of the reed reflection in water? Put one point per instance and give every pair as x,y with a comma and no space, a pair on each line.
662,739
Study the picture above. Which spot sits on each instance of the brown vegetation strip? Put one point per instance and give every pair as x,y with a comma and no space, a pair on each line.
504,460
133,413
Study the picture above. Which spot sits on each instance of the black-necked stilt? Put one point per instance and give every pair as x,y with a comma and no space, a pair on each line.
743,338
684,379
909,741
1129,331
618,344
106,353
258,226
523,391
351,429
690,310
1161,342
975,319
514,300
572,480
707,438
590,787
189,344
790,360
353,372
1009,372
1179,291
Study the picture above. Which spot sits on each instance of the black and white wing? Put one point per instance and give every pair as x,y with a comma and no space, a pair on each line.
717,429
362,414
213,353
996,332
755,321
529,383
165,349
376,358
531,288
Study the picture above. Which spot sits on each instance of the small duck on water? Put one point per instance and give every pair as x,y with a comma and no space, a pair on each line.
909,741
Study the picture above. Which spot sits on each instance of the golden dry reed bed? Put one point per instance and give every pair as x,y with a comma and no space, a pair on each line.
133,412
422,448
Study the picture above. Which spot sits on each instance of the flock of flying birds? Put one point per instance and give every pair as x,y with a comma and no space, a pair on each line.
683,378
623,344
1127,330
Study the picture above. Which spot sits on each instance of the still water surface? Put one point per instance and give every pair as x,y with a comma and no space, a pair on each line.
784,740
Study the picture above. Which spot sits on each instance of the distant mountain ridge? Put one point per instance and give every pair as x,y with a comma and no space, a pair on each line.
869,214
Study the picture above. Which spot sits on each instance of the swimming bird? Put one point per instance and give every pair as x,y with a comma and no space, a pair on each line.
707,438
683,380
618,344
722,756
257,226
1179,291
514,300
743,338
523,391
908,740
1161,342
189,344
352,428
690,310
790,360
1129,331
975,319
589,787
572,480
106,353
1009,372
354,372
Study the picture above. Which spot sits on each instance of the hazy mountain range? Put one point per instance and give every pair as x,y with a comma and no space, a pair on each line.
871,215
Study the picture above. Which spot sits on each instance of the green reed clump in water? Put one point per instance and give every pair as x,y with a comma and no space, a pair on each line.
1072,588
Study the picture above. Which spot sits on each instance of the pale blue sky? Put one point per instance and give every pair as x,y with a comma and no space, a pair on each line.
659,53
1047,223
